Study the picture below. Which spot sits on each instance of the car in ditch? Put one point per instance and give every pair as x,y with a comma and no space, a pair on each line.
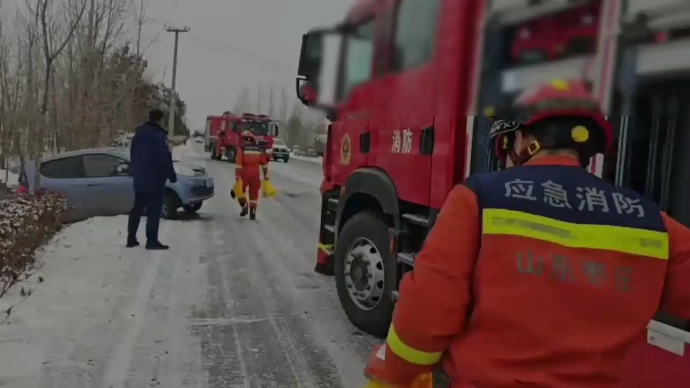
99,182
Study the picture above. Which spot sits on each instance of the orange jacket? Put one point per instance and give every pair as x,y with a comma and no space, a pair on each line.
553,303
250,159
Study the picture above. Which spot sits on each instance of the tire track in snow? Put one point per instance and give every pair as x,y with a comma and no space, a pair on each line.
119,365
275,345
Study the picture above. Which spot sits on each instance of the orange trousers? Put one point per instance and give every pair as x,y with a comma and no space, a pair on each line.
251,186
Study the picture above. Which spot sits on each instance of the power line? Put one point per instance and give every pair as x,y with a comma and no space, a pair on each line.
238,49
247,53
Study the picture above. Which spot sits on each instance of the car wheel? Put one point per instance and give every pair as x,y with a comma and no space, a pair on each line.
286,160
365,274
191,209
170,205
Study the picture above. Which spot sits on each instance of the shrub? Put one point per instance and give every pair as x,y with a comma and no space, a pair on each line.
27,221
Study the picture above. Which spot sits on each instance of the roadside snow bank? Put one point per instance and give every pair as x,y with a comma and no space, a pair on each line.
97,314
12,179
318,160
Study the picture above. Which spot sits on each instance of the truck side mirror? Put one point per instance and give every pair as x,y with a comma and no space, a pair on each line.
274,129
317,74
311,55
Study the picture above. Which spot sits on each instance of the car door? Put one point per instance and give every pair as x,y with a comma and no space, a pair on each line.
110,183
65,175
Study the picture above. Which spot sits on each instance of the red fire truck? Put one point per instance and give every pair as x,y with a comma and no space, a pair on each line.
223,133
407,83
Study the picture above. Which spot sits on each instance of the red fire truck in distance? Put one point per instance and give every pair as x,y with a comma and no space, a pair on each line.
406,84
223,133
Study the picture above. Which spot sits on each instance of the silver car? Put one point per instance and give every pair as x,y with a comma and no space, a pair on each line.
98,182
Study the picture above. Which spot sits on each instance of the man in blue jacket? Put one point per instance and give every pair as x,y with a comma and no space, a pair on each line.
152,166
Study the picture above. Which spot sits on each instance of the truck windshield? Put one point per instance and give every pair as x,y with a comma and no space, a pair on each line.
257,128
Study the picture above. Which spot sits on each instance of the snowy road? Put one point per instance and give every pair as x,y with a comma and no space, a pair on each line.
235,303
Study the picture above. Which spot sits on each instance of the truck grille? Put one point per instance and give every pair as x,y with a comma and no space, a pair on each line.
263,144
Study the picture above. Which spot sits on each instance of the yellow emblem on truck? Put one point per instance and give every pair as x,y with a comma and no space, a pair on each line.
345,150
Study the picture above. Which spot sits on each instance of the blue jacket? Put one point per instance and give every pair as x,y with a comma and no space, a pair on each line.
151,159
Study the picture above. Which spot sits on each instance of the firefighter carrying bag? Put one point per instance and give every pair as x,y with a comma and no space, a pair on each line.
237,191
267,189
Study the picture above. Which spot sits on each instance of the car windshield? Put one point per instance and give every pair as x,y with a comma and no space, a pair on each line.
257,128
278,142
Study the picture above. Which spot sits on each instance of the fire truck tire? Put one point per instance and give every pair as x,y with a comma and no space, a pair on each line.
231,154
365,274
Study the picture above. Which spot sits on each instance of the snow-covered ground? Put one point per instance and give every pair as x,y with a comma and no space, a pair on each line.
12,178
318,160
234,303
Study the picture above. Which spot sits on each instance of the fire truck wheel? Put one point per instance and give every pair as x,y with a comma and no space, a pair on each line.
365,275
231,154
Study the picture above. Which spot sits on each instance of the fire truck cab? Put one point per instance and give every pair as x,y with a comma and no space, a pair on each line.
223,133
408,84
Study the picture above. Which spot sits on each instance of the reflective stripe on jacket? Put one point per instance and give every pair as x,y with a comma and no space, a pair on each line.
249,160
540,275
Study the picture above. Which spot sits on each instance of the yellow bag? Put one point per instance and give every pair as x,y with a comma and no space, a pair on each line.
267,189
238,190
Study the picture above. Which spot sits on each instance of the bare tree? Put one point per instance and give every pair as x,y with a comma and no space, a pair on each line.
52,43
141,18
284,106
242,105
259,100
68,78
271,101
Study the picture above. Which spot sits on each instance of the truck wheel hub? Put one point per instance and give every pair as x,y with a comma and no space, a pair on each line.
364,274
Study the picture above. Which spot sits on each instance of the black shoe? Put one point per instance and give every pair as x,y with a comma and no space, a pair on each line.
245,210
252,214
132,243
156,246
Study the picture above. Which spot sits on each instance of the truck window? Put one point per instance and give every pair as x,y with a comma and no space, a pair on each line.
415,33
255,127
359,55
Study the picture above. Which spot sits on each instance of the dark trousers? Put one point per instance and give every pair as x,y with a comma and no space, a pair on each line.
153,203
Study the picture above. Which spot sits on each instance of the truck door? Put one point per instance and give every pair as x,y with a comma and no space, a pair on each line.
406,111
350,146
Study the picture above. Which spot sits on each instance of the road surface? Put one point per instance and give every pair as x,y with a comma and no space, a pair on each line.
287,328
234,303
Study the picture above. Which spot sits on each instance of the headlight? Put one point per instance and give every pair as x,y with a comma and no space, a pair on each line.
184,171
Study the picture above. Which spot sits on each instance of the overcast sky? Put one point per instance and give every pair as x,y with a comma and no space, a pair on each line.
232,43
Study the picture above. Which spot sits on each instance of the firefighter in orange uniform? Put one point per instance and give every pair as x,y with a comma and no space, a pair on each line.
250,159
540,274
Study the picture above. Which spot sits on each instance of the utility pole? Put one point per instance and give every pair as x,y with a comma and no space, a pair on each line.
171,111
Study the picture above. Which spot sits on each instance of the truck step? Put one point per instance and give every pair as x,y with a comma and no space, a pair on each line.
406,258
417,219
330,228
333,204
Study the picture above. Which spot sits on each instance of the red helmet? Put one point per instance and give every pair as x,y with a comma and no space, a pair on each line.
557,99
